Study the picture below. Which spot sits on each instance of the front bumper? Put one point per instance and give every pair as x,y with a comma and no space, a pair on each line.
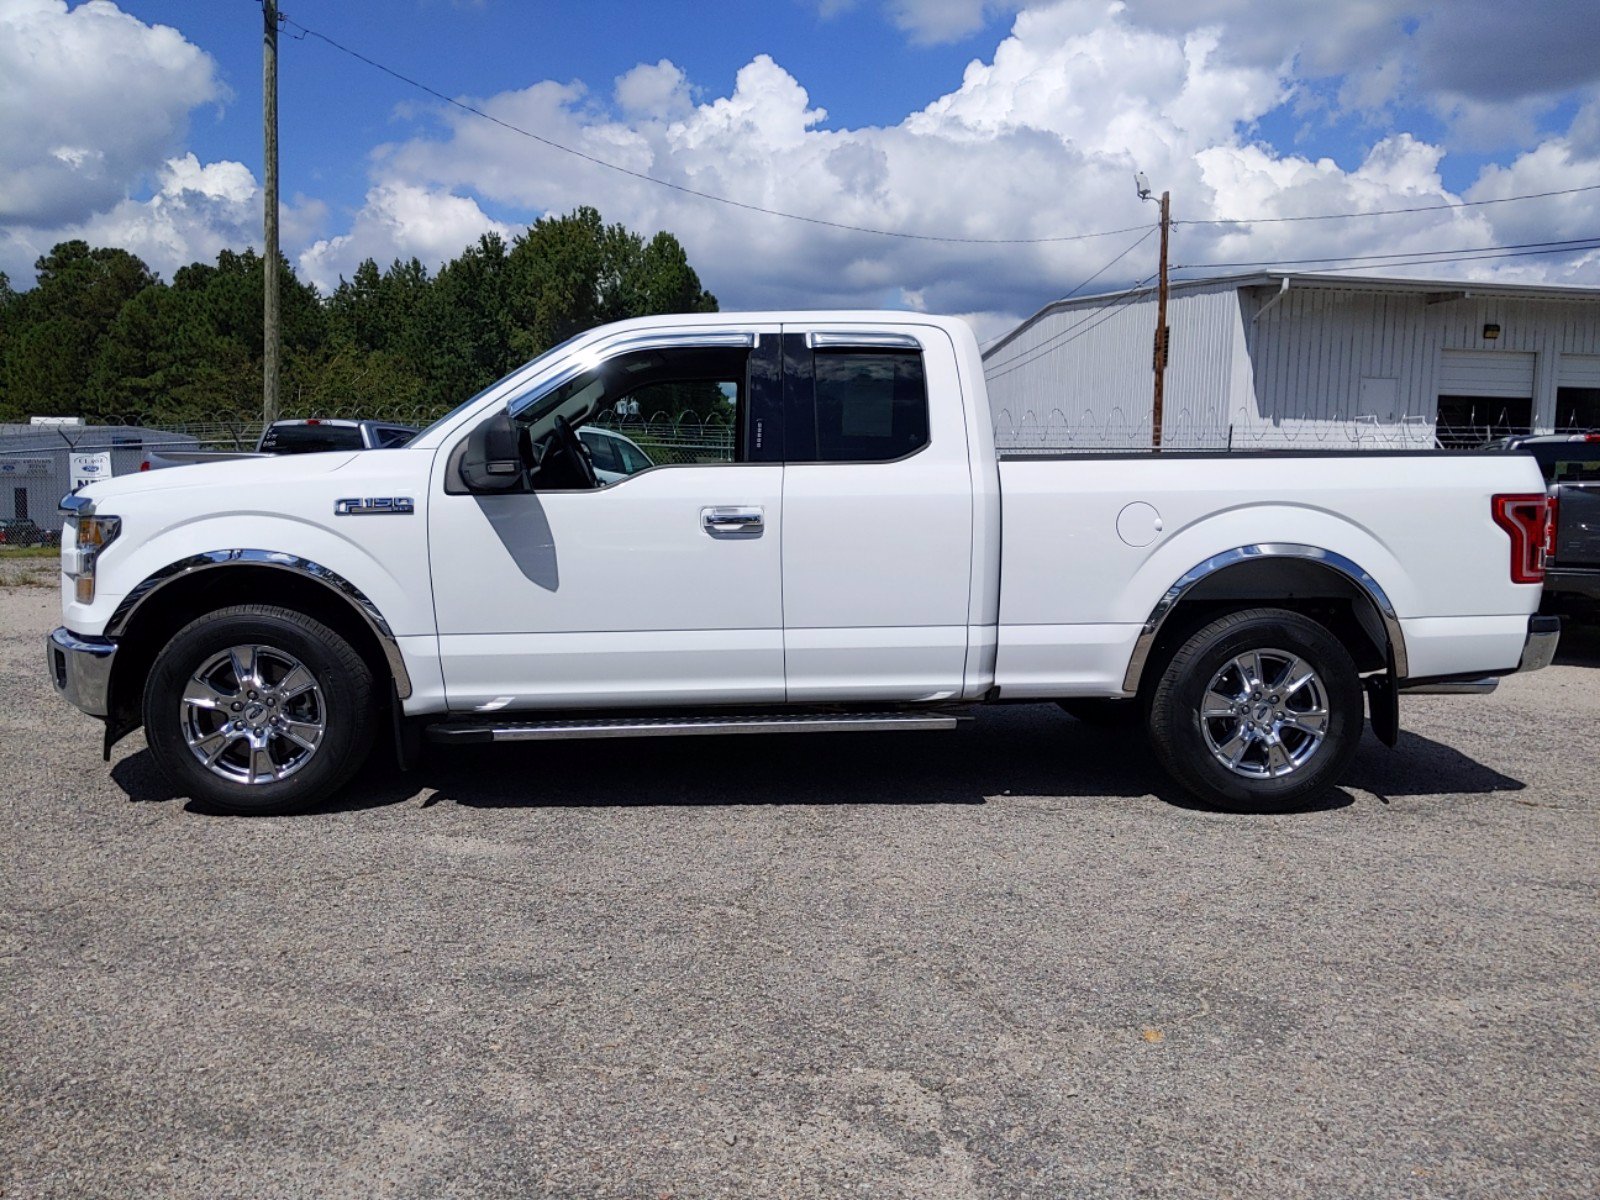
80,667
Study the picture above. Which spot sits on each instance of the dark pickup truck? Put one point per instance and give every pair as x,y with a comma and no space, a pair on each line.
1571,466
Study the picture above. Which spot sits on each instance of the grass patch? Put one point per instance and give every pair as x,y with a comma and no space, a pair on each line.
39,552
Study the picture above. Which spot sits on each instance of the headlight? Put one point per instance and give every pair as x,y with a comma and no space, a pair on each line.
92,533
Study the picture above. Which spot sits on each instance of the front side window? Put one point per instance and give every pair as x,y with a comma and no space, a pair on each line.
678,406
871,405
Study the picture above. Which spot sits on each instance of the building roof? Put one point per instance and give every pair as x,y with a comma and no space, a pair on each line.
15,436
1436,289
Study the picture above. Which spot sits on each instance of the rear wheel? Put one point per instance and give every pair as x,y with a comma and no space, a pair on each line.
258,709
1259,709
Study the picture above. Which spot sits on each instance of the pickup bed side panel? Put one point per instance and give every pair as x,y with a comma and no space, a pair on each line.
1092,543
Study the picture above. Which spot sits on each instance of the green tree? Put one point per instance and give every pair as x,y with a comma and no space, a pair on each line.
100,336
58,325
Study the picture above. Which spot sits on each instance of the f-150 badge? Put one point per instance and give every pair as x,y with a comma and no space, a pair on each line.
374,506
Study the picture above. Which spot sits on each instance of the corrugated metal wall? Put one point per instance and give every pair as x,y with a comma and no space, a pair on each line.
1083,375
1248,366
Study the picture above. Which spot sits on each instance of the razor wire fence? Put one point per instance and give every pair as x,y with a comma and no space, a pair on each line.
40,464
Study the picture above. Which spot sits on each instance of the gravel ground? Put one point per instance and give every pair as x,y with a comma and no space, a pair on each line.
1004,962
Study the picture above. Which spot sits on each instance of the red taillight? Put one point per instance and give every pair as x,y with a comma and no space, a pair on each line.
1527,519
1552,519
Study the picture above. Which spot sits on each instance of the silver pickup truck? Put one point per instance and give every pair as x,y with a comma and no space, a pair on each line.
310,436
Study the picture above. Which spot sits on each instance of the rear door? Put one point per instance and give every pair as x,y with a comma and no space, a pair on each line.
877,503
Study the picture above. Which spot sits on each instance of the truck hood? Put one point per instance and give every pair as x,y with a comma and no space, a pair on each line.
275,471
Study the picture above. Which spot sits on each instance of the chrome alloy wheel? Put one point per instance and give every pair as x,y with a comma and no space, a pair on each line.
1265,714
253,714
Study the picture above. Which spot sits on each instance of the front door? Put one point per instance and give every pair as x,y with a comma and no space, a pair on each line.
657,586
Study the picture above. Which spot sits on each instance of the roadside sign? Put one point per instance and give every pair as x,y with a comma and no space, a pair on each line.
90,467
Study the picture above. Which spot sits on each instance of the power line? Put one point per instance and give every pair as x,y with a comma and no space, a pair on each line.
305,31
1128,250
1085,283
1049,346
1557,247
1391,212
1136,244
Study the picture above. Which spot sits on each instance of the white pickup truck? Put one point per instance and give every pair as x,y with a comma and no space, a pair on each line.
858,558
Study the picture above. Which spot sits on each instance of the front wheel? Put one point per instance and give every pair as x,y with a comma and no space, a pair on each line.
1259,709
258,709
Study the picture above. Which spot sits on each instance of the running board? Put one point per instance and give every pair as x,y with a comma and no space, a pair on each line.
465,732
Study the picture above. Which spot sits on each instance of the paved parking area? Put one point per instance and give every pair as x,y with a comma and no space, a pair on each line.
1006,962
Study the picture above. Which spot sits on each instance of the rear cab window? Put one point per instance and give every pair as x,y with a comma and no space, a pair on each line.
310,439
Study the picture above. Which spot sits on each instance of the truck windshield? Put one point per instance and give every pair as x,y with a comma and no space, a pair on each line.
310,439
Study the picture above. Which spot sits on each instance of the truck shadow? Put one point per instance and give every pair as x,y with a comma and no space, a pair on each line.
1032,750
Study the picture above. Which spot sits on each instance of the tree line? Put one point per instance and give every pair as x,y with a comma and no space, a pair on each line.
102,337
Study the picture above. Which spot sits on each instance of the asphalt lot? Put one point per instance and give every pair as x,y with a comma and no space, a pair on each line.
1005,962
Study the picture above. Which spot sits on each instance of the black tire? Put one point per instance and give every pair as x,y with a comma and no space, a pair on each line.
341,700
1184,743
1102,711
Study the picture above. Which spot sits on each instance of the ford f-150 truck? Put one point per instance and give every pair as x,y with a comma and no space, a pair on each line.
860,558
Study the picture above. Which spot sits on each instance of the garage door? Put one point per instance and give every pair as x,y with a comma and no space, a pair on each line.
1486,373
1579,370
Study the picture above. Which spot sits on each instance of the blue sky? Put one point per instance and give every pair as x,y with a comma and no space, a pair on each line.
138,122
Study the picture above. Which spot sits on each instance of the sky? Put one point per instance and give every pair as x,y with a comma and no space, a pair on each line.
1003,136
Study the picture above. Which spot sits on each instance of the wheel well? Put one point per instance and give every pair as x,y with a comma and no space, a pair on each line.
1304,586
162,614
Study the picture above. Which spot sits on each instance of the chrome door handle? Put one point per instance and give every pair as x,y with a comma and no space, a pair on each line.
724,522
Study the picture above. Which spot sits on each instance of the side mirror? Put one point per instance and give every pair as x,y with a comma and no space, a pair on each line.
491,462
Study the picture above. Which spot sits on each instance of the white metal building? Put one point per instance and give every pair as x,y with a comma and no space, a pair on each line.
1288,360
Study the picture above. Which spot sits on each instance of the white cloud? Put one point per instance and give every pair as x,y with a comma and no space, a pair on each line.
1041,141
94,109
398,221
654,90
932,21
197,210
92,101
1037,141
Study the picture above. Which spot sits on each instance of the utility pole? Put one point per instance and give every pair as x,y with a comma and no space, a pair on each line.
1162,333
269,121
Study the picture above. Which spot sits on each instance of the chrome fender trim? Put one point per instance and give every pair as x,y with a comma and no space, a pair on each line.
1239,554
332,580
